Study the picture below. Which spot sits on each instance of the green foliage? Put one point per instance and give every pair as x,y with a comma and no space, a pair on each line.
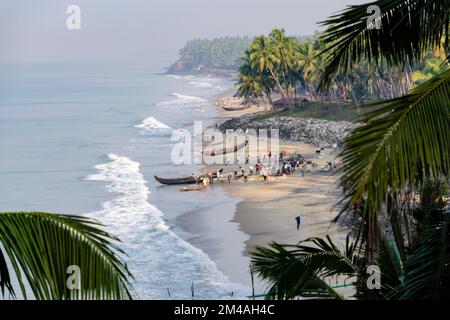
41,246
319,110
432,205
298,270
294,271
405,138
396,165
428,271
220,52
270,63
408,30
432,67
294,66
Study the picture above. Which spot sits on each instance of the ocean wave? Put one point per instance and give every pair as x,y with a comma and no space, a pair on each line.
157,257
179,77
182,99
199,84
152,126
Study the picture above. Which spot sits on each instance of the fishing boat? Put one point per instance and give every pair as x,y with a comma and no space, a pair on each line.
197,188
185,180
236,108
231,150
175,181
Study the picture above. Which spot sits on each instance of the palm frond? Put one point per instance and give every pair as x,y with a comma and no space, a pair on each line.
5,280
404,139
41,246
298,270
428,275
408,28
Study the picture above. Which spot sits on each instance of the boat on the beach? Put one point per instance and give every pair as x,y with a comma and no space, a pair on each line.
236,108
175,181
230,150
197,188
185,180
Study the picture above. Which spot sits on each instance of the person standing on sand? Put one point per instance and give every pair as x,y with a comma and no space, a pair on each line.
298,220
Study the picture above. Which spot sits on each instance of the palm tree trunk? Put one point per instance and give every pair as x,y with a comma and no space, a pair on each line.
283,94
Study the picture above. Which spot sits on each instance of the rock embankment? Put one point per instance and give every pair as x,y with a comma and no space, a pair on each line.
318,132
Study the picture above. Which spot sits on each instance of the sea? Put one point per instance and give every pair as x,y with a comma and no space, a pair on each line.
88,138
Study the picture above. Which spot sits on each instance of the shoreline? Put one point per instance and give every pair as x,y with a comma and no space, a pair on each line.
259,213
263,205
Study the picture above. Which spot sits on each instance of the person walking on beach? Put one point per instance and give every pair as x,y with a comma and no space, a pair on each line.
298,220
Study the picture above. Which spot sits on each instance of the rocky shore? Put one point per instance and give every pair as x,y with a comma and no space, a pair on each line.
321,133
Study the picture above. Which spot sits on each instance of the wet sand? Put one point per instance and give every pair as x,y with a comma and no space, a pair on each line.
268,210
262,212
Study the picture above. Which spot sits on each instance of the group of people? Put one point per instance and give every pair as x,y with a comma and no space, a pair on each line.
265,166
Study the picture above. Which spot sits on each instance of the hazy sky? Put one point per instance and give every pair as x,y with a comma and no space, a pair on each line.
35,30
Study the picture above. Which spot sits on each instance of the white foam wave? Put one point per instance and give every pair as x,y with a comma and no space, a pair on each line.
152,126
199,84
183,100
157,257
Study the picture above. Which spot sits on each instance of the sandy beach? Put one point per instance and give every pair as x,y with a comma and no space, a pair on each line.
263,211
268,209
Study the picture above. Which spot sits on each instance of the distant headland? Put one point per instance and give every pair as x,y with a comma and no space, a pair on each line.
218,57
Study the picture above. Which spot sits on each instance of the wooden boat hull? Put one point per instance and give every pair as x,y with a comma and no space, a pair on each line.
176,181
235,108
185,180
229,151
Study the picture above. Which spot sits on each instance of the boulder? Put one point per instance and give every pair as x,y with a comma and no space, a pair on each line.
318,132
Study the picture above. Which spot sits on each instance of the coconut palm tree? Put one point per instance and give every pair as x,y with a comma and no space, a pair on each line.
299,270
302,270
308,60
253,84
39,249
406,138
401,144
265,58
284,48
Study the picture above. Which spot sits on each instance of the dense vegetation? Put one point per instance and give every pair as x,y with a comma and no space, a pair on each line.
395,172
219,52
41,249
319,110
292,66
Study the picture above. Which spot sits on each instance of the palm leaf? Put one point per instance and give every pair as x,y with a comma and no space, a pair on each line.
408,29
428,275
298,270
41,246
404,139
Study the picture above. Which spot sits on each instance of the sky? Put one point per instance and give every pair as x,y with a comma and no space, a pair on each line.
36,31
